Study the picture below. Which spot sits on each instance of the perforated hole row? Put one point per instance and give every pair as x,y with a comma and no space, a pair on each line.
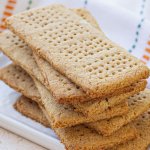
20,75
144,117
16,41
138,98
76,44
78,50
42,17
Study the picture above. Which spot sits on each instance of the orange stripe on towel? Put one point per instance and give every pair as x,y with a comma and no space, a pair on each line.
148,42
12,1
2,27
146,57
9,7
147,50
7,13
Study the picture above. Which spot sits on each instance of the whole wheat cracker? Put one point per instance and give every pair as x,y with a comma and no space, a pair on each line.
64,115
142,124
138,104
22,82
21,85
16,78
96,107
21,54
19,80
89,108
66,92
82,138
78,50
31,109
126,133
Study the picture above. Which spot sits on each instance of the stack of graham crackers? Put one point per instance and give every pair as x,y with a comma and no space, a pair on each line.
89,90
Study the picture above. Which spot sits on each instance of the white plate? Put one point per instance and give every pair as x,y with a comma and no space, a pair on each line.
119,25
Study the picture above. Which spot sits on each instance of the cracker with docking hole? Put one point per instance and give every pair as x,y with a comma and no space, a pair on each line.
64,115
138,104
78,50
19,80
20,53
31,109
64,119
142,125
91,107
83,135
16,78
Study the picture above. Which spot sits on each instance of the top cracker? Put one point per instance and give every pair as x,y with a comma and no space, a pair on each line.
77,50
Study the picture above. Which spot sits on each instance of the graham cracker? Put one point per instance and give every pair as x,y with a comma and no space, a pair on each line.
77,50
138,104
66,91
31,109
18,79
75,137
142,125
22,82
91,108
22,55
64,115
82,138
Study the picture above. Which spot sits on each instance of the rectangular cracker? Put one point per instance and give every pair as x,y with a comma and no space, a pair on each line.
78,137
31,109
23,84
16,78
138,104
21,54
61,88
91,108
77,49
64,115
69,91
142,124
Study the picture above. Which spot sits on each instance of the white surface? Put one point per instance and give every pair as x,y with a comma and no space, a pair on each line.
118,24
10,141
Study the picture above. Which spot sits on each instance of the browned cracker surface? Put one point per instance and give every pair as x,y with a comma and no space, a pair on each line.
142,124
16,78
64,115
77,49
138,104
24,84
20,53
31,109
78,137
19,80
